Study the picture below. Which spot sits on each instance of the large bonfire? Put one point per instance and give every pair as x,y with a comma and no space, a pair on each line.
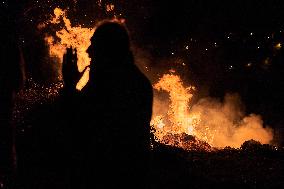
209,123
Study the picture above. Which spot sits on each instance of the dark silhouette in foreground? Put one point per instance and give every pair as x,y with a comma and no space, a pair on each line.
11,80
111,116
99,137
117,109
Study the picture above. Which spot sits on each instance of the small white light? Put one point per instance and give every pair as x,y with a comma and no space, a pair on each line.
187,47
251,33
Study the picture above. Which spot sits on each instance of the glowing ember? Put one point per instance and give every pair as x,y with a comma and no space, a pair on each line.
278,46
109,7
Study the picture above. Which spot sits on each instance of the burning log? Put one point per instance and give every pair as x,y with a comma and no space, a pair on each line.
187,142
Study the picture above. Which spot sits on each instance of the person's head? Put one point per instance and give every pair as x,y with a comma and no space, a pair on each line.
109,44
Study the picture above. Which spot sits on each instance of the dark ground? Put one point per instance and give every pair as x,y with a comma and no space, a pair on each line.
252,166
255,167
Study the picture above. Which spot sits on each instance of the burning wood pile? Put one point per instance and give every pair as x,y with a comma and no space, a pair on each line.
185,141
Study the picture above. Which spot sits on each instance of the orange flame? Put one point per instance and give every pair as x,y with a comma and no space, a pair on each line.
218,124
76,37
179,99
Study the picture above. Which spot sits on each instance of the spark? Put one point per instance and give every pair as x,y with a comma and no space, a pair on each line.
249,64
267,61
278,46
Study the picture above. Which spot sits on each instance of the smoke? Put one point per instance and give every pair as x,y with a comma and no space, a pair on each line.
218,122
227,122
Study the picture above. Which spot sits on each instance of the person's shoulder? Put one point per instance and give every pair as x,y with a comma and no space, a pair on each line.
140,77
144,82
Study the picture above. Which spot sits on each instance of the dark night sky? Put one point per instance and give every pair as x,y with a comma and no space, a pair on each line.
244,32
168,20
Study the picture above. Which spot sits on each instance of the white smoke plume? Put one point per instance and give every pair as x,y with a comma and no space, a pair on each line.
228,124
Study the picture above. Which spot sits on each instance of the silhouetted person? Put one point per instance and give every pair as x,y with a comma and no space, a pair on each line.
115,112
11,78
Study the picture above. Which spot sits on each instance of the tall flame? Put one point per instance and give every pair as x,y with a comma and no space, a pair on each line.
219,124
180,97
69,36
76,37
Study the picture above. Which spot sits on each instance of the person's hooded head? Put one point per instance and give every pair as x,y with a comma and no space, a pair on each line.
110,46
